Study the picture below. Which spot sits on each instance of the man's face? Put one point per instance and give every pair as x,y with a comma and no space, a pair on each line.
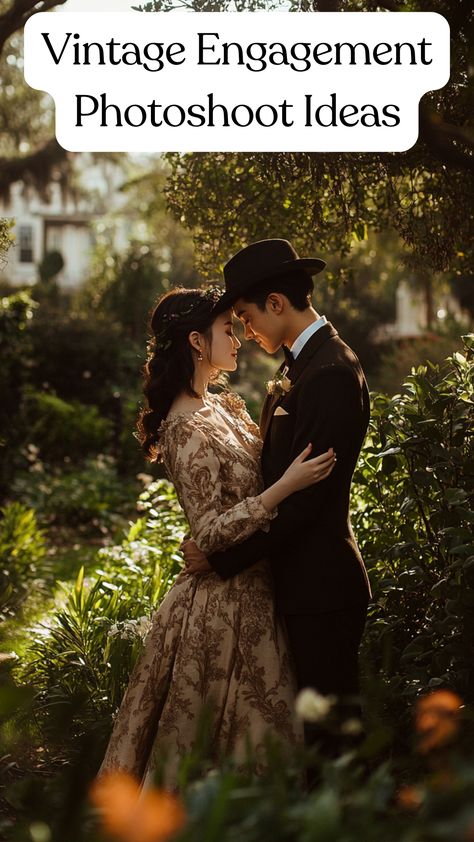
263,326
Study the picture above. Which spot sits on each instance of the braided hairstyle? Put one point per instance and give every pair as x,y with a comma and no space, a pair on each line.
169,369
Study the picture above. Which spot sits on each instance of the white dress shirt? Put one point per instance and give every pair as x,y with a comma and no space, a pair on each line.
306,334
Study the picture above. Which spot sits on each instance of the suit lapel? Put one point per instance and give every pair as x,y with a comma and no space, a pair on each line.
297,367
267,408
312,346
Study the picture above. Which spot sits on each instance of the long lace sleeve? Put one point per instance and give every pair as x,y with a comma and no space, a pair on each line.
197,474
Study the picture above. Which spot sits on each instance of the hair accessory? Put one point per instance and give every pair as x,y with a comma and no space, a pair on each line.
161,340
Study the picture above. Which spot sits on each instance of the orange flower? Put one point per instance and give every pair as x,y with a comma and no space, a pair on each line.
133,814
437,719
409,798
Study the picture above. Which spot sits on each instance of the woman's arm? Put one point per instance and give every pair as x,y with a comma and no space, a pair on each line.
196,472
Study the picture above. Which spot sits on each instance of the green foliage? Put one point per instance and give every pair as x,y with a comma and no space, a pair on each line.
16,350
51,265
69,384
81,358
91,494
397,360
413,517
218,5
124,286
5,237
46,290
323,201
16,313
82,653
320,202
352,802
22,548
128,289
64,428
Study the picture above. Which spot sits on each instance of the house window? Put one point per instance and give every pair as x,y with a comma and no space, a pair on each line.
25,236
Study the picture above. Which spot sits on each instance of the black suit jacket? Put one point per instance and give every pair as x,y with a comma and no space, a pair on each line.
315,559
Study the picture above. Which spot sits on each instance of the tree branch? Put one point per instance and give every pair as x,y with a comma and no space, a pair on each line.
454,145
34,169
16,16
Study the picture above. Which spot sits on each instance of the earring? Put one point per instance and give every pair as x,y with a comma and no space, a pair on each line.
200,357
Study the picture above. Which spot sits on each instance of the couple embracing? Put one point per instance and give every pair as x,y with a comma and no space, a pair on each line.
274,595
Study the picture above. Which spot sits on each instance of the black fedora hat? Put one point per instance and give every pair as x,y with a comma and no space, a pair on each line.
259,262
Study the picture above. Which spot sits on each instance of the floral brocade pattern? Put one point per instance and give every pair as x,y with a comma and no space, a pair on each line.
212,643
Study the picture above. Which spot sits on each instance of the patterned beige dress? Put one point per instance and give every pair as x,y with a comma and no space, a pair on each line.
211,641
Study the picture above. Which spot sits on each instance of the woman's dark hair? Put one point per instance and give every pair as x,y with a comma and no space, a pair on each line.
169,368
297,285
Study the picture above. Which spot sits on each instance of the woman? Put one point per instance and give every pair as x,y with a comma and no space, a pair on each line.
211,642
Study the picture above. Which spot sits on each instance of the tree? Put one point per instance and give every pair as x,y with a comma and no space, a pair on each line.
28,148
124,286
16,14
322,201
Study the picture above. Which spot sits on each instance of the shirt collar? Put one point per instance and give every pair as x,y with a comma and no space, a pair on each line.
306,334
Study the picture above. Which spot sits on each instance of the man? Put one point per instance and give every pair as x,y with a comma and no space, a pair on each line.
320,396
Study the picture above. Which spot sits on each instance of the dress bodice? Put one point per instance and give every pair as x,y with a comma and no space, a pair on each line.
212,456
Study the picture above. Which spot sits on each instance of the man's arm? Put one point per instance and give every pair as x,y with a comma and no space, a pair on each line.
327,407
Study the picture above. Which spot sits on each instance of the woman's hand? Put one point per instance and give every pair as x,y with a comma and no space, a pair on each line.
301,474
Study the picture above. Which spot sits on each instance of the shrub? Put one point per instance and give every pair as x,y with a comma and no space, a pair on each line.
82,653
91,494
22,548
396,362
61,428
16,312
413,517
85,359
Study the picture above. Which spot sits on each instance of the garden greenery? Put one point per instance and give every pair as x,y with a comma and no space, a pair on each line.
82,653
413,516
413,513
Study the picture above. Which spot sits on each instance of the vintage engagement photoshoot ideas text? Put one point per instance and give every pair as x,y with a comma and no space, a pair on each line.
268,81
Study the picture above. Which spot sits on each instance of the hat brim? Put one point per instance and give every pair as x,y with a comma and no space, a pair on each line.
311,265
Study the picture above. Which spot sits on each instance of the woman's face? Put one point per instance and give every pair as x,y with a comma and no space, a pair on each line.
223,351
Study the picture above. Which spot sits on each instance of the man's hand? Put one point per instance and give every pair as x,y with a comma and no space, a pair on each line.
194,559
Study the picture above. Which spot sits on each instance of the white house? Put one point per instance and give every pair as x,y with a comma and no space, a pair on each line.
63,222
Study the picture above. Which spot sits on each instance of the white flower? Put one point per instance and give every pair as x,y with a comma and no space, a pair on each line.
313,707
146,479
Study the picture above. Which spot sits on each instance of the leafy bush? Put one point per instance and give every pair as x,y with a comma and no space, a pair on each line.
396,362
16,312
61,428
356,797
83,652
91,494
413,516
82,358
22,548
